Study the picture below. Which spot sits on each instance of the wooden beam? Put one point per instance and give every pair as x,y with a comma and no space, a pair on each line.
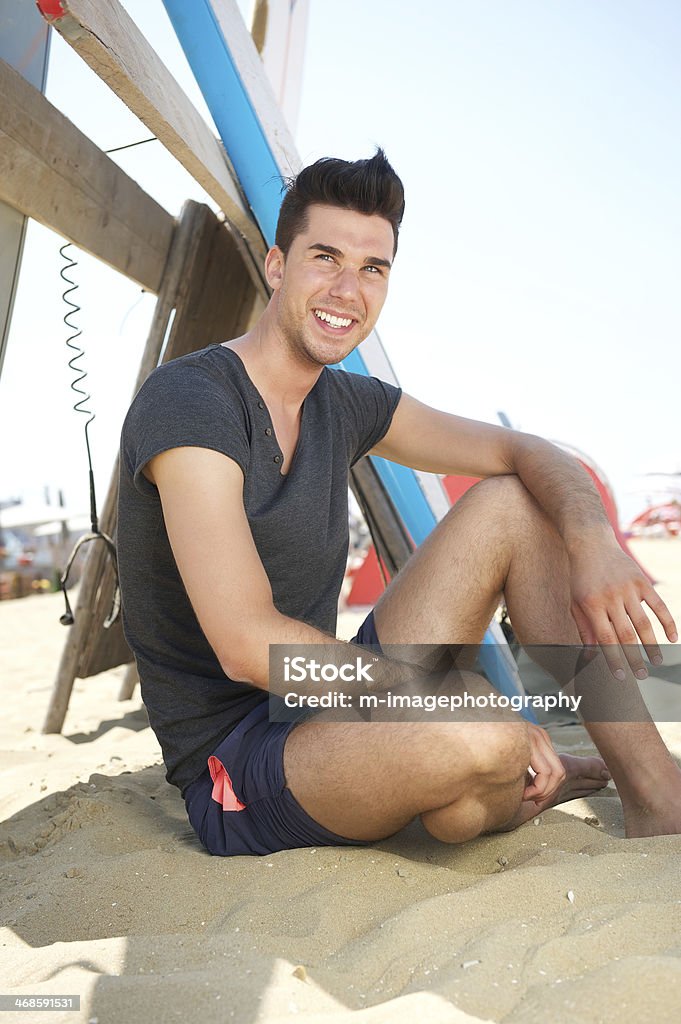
52,172
108,40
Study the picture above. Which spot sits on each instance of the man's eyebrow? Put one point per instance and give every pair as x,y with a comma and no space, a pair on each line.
332,251
374,261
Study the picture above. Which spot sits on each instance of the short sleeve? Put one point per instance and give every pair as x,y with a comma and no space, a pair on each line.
368,405
183,404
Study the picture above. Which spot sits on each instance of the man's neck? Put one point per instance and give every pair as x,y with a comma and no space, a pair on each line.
282,379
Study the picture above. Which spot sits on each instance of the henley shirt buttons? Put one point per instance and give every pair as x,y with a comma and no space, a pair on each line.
268,431
277,458
261,405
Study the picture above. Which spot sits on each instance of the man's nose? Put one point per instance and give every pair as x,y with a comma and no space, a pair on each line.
345,284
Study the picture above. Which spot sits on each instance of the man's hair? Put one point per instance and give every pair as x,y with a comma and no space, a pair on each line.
366,186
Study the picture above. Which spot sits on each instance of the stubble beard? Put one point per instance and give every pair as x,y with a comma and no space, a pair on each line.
312,351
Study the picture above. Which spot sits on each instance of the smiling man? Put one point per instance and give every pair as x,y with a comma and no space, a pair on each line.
233,536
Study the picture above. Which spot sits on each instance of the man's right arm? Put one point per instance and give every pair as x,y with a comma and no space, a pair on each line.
201,493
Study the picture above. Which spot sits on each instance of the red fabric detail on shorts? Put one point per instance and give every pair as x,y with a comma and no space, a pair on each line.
223,791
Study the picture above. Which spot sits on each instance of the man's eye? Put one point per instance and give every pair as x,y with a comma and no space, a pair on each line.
372,269
324,256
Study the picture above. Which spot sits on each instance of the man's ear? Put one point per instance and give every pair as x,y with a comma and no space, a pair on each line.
274,267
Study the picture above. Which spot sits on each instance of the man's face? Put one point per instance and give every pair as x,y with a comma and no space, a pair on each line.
330,288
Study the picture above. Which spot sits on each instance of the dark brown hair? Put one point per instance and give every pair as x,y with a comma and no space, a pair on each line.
366,186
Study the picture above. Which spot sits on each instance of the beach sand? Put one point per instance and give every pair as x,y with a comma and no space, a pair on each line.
106,894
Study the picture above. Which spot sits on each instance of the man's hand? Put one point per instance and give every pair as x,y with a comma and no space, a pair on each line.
608,591
546,767
559,777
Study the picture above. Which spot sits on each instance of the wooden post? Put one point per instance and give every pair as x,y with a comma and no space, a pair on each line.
208,285
130,681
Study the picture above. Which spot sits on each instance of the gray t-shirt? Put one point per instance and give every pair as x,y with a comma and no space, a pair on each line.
299,524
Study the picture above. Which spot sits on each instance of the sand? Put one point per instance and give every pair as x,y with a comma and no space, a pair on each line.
106,894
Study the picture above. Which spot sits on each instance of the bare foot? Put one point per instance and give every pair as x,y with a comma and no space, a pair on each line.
583,776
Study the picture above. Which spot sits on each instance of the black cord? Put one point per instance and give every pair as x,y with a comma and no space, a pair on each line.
67,618
117,149
80,405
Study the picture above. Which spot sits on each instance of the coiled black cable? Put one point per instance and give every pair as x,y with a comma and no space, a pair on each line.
67,619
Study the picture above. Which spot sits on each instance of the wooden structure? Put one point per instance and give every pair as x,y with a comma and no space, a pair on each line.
205,269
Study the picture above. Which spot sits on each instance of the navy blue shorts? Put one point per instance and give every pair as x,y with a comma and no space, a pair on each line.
241,805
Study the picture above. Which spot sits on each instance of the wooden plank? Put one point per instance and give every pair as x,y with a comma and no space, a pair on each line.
108,40
52,172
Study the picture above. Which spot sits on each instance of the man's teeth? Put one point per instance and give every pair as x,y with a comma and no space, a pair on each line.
334,321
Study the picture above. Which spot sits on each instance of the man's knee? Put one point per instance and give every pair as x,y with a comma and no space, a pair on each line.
505,506
496,757
498,751
505,494
478,754
494,741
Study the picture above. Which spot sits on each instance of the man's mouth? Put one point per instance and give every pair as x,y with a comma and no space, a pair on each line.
337,322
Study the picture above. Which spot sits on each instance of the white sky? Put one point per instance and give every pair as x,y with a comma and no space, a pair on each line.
539,260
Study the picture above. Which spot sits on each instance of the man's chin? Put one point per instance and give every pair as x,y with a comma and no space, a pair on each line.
332,359
326,352
331,354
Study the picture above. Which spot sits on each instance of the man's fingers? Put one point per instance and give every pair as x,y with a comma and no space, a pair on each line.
607,640
613,616
543,786
533,792
544,760
644,628
617,632
627,636
657,605
618,637
586,633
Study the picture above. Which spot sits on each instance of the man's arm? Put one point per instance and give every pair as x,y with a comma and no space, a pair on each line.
438,442
201,493
607,587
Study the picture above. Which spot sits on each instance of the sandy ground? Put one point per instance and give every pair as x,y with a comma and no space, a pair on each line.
105,894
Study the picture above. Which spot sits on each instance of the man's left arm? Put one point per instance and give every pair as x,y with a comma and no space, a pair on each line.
607,587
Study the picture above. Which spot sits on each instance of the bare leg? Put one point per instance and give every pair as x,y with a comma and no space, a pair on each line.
497,539
368,780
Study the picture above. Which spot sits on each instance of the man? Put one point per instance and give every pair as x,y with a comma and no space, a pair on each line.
233,537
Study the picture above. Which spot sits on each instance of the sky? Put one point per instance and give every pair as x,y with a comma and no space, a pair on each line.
538,266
